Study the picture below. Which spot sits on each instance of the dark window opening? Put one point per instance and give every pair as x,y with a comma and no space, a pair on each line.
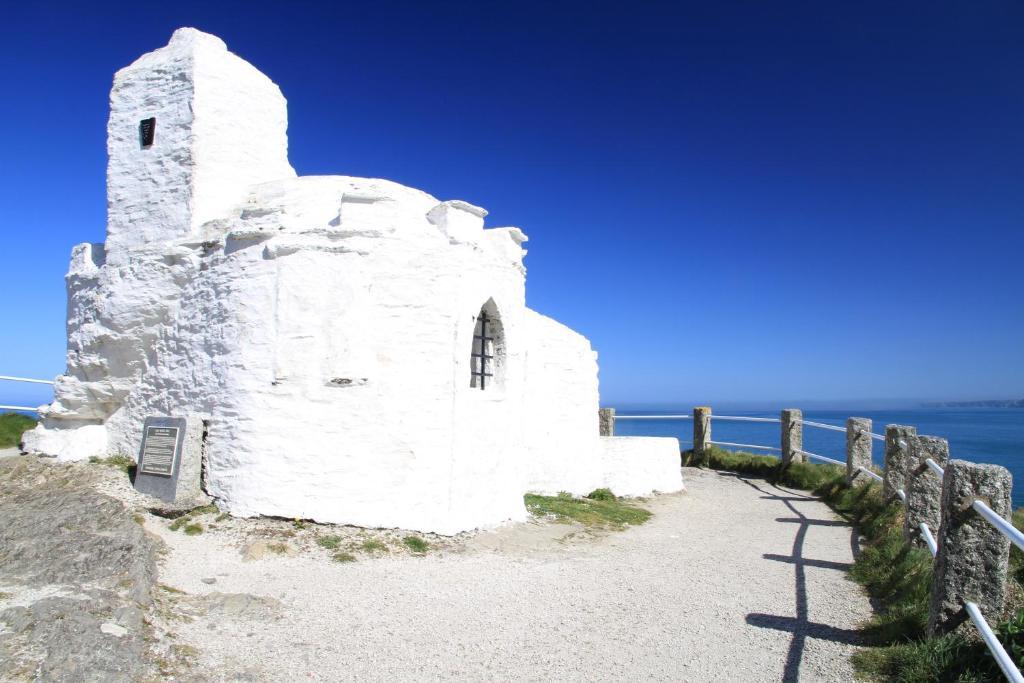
483,352
147,131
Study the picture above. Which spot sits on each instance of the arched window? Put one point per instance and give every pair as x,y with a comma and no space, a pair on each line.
487,359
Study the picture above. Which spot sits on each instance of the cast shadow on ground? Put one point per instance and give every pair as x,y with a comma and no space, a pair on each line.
801,627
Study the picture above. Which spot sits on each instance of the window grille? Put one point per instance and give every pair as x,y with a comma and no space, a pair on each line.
483,352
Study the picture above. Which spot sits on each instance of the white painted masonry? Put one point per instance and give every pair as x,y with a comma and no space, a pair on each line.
321,326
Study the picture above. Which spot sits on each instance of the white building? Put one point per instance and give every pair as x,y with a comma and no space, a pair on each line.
326,329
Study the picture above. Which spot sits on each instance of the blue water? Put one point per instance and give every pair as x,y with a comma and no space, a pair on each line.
988,435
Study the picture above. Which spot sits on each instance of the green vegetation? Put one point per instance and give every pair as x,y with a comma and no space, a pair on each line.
416,544
897,576
117,460
12,426
372,546
601,494
329,542
278,548
344,557
600,509
187,523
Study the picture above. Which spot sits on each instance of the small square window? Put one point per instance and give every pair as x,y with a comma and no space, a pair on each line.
147,131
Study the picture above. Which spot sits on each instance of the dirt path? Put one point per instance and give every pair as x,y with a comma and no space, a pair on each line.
736,580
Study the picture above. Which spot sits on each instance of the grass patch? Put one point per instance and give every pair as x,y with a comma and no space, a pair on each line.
600,512
343,557
12,426
416,544
897,575
373,546
278,548
193,529
329,542
601,494
118,460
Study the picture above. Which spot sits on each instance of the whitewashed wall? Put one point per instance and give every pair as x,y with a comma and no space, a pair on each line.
321,326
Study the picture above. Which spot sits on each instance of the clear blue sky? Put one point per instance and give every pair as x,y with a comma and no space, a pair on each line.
733,201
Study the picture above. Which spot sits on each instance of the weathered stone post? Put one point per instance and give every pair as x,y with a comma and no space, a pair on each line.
923,487
606,418
858,449
897,452
973,555
701,433
792,436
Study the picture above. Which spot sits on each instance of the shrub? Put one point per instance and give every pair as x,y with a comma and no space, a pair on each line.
374,546
343,557
416,544
329,542
601,494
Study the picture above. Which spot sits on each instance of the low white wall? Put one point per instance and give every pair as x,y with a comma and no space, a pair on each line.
638,465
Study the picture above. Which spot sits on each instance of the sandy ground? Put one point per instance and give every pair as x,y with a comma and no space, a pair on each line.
736,580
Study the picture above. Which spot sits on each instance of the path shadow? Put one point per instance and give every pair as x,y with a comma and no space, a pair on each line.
801,626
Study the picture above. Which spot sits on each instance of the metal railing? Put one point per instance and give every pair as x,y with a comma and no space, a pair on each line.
1003,659
28,409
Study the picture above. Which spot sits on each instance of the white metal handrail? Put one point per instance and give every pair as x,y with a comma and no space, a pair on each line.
820,457
741,418
1008,530
653,417
935,467
902,494
868,472
822,425
744,445
1003,659
26,408
26,379
929,539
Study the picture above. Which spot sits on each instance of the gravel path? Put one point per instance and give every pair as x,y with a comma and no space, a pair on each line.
735,580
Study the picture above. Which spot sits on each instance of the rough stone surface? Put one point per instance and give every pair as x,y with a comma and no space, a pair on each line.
321,326
792,436
898,439
701,430
973,555
923,487
607,421
183,488
75,575
858,449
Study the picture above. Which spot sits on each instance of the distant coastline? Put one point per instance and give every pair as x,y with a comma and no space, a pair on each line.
975,404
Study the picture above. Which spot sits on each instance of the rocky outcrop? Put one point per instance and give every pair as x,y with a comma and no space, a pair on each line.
76,573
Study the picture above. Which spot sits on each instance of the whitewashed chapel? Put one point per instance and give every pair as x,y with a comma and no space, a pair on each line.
357,351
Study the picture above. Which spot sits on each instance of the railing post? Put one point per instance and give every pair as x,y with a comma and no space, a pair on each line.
792,436
701,433
606,419
923,487
897,454
858,448
973,557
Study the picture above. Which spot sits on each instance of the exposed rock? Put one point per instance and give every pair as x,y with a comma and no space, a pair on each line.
78,570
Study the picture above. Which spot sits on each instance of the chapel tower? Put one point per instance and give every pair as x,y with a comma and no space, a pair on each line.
192,127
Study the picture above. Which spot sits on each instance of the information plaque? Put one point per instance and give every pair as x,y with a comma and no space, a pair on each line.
160,451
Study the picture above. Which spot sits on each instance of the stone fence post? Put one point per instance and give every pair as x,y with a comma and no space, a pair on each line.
701,432
973,555
606,419
923,487
897,452
792,436
858,449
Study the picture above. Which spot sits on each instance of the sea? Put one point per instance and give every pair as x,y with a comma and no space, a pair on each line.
985,435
